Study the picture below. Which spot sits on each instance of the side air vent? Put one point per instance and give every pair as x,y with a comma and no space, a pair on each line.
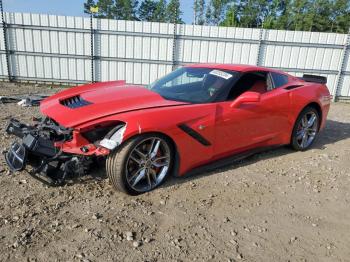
194,134
75,102
292,87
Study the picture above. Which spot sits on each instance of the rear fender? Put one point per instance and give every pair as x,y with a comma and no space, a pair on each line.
310,93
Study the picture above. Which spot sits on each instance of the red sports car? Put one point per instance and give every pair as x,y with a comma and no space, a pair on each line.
195,116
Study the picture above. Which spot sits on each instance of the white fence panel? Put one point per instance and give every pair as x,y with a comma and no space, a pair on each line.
58,49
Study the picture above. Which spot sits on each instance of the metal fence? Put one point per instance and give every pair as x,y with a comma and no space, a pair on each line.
49,48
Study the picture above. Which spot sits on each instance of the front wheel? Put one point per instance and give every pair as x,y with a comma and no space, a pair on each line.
305,129
141,164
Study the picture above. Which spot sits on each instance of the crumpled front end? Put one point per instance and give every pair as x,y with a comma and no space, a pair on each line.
52,150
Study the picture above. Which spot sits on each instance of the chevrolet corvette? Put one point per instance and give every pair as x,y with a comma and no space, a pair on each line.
194,117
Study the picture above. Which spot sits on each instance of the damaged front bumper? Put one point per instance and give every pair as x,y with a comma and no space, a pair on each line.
52,151
32,143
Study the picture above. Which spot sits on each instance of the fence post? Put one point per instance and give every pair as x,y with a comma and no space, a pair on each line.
7,51
174,41
92,48
340,77
260,47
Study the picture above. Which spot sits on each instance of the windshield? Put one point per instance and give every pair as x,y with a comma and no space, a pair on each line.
194,85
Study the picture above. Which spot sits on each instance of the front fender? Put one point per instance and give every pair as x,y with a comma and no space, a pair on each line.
166,121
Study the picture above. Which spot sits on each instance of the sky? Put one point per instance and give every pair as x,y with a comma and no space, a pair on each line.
72,7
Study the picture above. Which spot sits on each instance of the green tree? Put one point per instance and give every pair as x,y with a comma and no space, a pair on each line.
113,9
173,12
299,15
87,5
231,17
125,9
307,15
215,11
271,15
161,11
340,16
199,12
105,9
253,12
318,17
283,17
147,10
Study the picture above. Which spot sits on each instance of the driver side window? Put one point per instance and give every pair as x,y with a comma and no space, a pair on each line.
252,81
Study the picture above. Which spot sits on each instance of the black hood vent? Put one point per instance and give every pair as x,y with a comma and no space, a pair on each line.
75,102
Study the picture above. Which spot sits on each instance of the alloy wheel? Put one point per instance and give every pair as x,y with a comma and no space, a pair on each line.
147,164
307,129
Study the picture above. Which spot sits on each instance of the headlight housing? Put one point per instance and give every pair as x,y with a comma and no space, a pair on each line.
114,138
96,134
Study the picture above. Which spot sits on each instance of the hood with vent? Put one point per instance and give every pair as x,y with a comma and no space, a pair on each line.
78,105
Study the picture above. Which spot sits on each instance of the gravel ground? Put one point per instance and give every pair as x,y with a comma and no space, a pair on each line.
279,205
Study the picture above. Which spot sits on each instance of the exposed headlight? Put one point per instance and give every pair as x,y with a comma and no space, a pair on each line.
97,133
114,140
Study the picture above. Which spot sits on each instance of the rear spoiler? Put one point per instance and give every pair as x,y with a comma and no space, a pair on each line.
314,79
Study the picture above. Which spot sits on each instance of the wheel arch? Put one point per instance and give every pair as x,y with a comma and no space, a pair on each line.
316,106
176,164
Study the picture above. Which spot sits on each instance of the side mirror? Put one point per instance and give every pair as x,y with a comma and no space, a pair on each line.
246,97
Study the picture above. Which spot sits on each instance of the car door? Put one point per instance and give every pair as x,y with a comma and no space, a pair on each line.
252,124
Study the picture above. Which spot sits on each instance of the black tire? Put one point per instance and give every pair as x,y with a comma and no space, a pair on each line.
298,130
117,161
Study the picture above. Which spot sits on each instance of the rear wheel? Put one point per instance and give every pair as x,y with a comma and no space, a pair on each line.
305,129
141,164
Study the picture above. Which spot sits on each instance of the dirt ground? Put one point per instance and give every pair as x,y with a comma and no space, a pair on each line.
278,205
